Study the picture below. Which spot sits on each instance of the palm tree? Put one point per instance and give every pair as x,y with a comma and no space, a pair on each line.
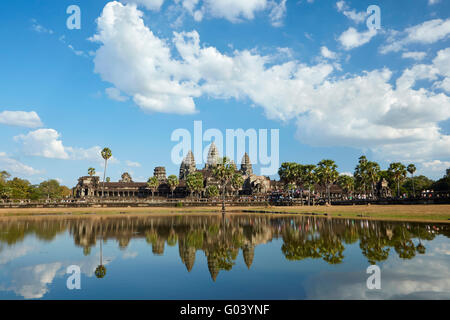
287,172
347,183
108,179
327,174
172,181
397,170
360,173
106,154
224,172
372,173
411,169
309,178
153,184
100,271
194,182
91,171
237,181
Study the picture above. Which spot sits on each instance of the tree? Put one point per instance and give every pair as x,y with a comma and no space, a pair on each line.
4,175
411,169
51,189
212,191
108,179
20,188
224,172
372,174
106,154
172,181
420,183
236,182
347,183
287,172
153,184
91,171
327,174
309,178
360,174
5,191
397,171
194,182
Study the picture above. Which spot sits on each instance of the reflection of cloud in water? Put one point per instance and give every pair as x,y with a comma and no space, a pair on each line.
31,282
129,255
423,277
14,252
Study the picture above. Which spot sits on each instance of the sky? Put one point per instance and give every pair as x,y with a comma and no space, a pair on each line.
138,70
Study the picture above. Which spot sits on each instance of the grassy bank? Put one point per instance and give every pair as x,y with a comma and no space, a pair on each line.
436,213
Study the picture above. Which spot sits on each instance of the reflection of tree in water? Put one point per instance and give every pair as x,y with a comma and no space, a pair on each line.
221,238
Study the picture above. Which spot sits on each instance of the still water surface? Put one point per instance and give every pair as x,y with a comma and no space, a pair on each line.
222,257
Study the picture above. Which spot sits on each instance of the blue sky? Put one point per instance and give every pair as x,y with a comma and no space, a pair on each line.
132,75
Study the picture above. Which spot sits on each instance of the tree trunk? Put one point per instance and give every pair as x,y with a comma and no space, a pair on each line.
414,190
104,177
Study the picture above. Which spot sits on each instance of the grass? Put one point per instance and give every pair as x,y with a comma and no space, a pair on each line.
435,213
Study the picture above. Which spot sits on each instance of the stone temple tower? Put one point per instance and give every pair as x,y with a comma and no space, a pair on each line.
187,166
213,157
246,165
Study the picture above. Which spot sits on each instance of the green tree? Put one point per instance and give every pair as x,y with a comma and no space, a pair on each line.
287,172
360,174
153,184
237,181
20,188
212,191
309,178
347,183
327,174
51,189
106,154
5,191
108,179
173,182
372,175
397,171
411,169
420,183
194,182
224,172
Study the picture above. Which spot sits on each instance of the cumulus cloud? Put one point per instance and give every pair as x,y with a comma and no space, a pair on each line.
326,53
148,4
428,32
133,164
47,143
277,13
431,2
367,110
416,55
351,38
357,17
14,166
115,94
20,119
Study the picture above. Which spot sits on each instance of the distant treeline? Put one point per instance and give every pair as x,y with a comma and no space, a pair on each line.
16,188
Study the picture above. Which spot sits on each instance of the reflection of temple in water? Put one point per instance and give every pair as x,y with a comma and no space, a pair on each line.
222,238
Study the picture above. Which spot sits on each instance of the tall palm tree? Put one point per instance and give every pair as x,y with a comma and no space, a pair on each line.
237,181
347,183
106,154
173,182
153,184
91,171
327,174
411,169
100,271
360,173
309,178
397,170
224,172
372,173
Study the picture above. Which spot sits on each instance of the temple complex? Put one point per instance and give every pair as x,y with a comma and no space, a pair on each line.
92,187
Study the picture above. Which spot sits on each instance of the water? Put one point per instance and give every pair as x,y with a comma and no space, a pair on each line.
215,257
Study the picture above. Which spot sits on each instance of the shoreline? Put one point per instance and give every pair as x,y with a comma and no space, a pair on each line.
416,213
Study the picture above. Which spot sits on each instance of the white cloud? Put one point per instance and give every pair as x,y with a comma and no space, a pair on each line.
416,55
351,38
277,13
234,10
133,164
148,4
79,53
436,165
357,17
39,28
20,119
115,94
14,166
326,53
431,2
428,32
359,110
47,143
